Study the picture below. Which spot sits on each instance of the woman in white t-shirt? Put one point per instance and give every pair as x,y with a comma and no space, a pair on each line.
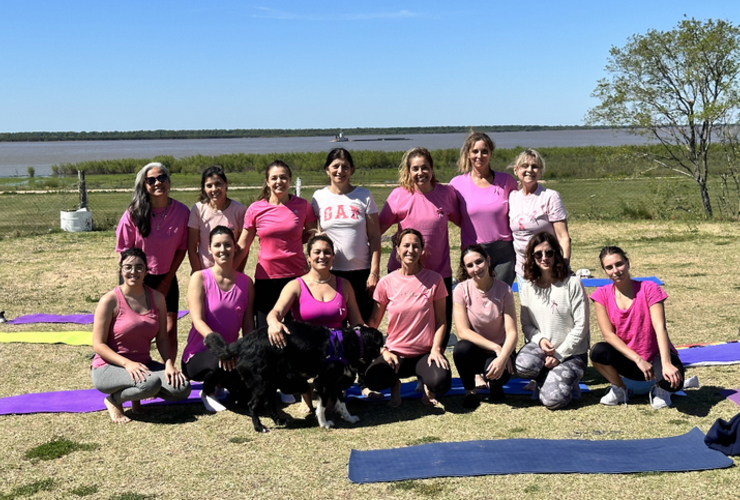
485,318
213,209
534,209
349,216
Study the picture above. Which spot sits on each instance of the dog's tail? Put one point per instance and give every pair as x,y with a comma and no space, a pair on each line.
216,343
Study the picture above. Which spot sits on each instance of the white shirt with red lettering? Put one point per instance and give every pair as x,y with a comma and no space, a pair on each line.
343,217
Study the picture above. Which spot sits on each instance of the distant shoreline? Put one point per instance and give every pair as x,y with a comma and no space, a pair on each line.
266,133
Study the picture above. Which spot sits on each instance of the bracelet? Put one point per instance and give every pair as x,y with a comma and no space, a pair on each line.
375,274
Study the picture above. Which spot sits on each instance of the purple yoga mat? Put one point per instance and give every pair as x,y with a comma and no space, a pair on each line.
731,394
719,354
82,319
80,401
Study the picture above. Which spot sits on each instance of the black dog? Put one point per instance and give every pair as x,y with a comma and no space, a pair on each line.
332,358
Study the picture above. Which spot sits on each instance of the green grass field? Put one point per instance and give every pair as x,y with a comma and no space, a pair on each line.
182,452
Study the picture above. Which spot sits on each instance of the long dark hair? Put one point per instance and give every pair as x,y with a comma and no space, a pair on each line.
532,270
611,250
265,193
212,171
141,207
462,273
339,154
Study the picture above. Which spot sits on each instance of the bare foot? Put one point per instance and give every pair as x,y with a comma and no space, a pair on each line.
136,407
371,394
116,412
428,399
395,401
480,382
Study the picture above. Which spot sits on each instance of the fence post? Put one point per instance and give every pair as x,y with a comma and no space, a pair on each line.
298,187
83,189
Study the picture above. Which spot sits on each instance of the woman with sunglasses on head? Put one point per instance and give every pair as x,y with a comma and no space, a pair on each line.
485,318
282,222
213,209
555,323
221,300
484,204
319,297
631,316
424,204
127,319
158,225
349,216
415,300
534,208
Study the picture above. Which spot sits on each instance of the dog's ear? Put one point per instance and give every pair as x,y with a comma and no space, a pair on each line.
216,343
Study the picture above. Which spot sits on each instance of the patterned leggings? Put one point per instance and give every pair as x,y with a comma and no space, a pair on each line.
556,385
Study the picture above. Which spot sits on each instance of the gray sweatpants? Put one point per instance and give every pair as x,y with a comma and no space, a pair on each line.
556,385
115,380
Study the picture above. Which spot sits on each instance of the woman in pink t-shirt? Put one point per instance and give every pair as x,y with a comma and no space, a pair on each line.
422,203
282,222
534,209
484,204
631,317
127,319
485,318
213,209
415,299
158,225
221,300
318,297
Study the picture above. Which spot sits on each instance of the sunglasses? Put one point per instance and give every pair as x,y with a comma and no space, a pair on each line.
153,180
546,253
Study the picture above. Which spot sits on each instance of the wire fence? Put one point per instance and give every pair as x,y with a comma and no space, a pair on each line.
39,211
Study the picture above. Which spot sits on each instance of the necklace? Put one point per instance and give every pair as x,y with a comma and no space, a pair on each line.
320,282
164,216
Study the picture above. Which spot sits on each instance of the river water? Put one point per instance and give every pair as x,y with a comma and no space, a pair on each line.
16,157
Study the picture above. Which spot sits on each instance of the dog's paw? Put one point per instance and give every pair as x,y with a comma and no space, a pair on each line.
328,424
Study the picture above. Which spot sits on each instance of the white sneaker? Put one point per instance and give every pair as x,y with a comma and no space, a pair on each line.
211,403
614,396
660,398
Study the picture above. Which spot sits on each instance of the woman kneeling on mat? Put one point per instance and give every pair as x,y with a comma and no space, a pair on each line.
126,321
221,300
485,318
415,300
555,323
631,317
318,297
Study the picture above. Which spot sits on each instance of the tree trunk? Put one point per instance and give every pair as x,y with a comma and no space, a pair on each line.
705,197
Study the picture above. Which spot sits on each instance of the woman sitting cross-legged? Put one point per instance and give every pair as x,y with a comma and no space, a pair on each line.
127,319
318,297
485,318
221,300
631,317
415,300
555,323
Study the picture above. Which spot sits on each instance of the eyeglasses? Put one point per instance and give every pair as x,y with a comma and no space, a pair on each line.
153,180
127,268
546,253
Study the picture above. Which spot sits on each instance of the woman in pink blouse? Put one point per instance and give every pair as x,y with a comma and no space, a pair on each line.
415,299
484,204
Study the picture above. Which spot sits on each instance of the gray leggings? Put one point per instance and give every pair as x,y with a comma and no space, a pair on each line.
115,380
556,385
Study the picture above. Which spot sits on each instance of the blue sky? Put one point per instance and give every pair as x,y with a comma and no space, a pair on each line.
139,65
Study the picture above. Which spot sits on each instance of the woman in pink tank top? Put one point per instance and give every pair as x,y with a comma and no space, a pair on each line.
318,297
127,319
221,300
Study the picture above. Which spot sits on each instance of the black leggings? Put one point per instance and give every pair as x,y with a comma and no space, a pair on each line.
380,375
472,360
606,354
266,294
203,367
448,312
358,280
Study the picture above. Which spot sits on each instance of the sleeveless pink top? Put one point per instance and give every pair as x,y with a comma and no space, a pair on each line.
224,312
330,314
130,333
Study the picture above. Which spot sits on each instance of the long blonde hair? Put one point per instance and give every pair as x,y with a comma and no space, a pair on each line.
404,169
463,163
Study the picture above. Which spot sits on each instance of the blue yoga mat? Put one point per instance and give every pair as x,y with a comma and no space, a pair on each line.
536,456
718,354
595,282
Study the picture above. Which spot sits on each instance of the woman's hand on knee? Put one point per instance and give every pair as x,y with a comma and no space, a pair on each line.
496,369
547,347
227,364
391,359
646,368
174,376
137,371
672,375
551,362
439,358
